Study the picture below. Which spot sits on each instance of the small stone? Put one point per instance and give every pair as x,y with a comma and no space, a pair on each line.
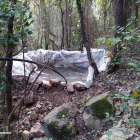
46,84
39,81
38,105
79,86
25,134
33,109
29,98
70,88
33,115
18,78
35,87
31,80
50,107
25,121
37,130
22,91
55,81
20,131
14,97
138,73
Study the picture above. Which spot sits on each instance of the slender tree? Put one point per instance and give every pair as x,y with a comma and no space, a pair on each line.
9,63
84,39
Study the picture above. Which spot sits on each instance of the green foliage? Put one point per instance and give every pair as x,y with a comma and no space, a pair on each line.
135,93
125,107
23,21
109,133
129,37
2,81
124,131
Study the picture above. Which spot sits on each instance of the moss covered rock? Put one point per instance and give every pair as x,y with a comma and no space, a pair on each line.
57,123
63,113
95,110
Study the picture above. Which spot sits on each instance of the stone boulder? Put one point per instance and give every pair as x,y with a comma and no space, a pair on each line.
95,110
33,115
29,98
25,134
58,122
46,84
79,86
31,80
118,134
70,88
18,78
35,87
39,81
55,81
37,130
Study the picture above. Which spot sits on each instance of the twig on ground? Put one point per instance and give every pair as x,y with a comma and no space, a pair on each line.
9,117
29,76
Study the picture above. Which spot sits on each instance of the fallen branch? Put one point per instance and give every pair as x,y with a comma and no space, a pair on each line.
9,117
65,60
29,76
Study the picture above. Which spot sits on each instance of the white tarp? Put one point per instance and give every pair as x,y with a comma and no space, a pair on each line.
64,59
18,66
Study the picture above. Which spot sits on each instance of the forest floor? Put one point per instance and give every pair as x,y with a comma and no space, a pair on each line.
119,82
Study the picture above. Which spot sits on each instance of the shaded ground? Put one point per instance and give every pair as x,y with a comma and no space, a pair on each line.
119,82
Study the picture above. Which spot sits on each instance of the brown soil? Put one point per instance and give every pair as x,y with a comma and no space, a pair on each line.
58,95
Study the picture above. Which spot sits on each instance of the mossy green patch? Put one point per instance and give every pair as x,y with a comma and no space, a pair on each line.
52,126
100,107
59,134
68,129
63,113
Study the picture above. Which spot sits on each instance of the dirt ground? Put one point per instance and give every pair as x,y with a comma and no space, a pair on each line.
119,82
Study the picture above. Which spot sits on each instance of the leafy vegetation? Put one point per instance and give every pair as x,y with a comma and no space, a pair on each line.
72,25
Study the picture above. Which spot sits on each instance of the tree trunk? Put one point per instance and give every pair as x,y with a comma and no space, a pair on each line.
120,21
105,15
41,41
46,42
62,22
66,24
9,63
85,41
119,16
